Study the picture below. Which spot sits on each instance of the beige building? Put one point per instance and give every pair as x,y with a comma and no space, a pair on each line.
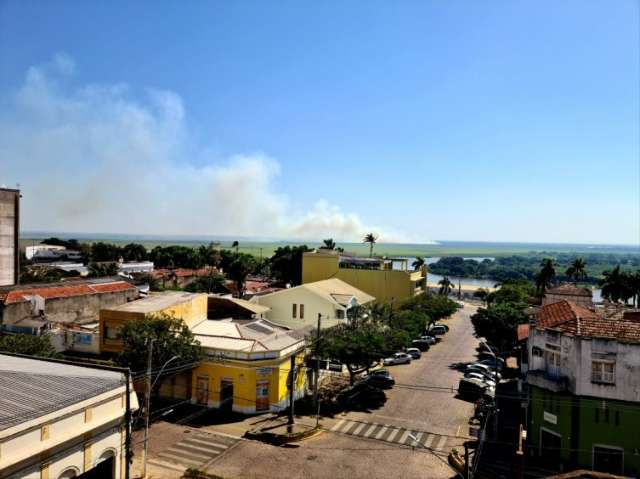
59,420
9,231
568,292
299,307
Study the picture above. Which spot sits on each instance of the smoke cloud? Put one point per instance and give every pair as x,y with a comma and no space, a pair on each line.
98,158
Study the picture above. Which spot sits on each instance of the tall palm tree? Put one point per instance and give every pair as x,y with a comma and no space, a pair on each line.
616,286
235,245
546,275
446,286
577,270
633,280
418,263
371,239
328,244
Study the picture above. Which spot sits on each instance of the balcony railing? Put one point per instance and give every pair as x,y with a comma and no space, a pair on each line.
551,379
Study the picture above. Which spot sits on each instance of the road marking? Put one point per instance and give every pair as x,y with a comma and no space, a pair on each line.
393,434
179,459
381,432
338,425
201,447
369,431
178,449
358,429
349,428
417,439
430,439
404,437
205,442
443,441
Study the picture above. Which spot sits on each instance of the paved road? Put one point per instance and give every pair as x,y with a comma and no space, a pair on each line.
378,444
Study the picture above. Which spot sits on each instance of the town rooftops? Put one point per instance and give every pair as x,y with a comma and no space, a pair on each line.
22,293
155,302
244,336
568,289
570,318
32,388
334,290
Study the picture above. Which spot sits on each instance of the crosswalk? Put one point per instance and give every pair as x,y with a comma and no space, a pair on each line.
194,450
391,434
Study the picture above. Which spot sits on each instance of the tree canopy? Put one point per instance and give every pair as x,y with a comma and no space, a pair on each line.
286,264
28,344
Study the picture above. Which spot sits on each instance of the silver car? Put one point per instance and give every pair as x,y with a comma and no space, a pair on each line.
397,358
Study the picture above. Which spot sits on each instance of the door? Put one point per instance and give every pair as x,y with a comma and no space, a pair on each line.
262,396
607,459
202,390
226,393
550,448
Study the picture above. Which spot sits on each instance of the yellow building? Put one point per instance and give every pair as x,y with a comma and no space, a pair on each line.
190,307
387,279
247,365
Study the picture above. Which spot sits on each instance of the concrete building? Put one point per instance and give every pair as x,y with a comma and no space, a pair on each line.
584,387
190,307
59,420
299,307
9,235
569,292
247,365
69,311
386,279
33,250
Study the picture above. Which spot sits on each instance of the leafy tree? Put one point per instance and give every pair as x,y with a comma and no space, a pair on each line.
446,286
172,337
616,286
69,244
577,270
418,263
28,344
498,324
236,245
482,294
97,270
239,269
633,282
30,274
134,252
102,252
328,244
286,264
434,307
546,275
209,254
371,239
517,293
210,283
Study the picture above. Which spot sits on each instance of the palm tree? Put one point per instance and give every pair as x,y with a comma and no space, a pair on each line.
616,285
633,280
371,239
446,286
418,263
577,270
235,245
238,271
546,275
328,244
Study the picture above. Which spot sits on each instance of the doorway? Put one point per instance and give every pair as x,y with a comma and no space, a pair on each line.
262,396
202,390
226,393
608,459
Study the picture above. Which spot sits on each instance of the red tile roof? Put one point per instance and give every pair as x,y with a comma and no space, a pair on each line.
523,332
570,290
66,291
570,318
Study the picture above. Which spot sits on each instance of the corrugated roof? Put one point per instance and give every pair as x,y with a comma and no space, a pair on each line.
31,388
156,302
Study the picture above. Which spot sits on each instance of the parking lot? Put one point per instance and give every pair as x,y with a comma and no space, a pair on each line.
412,433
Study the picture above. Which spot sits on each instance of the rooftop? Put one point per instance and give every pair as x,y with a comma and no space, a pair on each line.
21,293
156,302
334,290
31,388
568,289
572,319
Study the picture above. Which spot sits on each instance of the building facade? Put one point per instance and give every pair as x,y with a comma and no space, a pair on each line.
385,279
581,296
584,383
59,420
9,235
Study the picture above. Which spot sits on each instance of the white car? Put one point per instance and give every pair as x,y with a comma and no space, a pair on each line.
481,377
397,358
429,339
483,369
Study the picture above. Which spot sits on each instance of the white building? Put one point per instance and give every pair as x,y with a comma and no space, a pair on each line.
59,420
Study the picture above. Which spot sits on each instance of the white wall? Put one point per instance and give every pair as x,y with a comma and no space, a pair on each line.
281,304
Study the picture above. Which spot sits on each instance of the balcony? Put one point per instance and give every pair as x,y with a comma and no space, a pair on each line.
546,379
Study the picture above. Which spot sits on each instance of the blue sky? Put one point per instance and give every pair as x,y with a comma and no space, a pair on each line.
466,120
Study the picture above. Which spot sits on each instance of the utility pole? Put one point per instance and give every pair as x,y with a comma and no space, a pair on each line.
316,382
292,386
147,403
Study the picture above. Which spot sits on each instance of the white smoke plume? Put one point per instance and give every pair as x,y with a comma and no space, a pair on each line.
98,158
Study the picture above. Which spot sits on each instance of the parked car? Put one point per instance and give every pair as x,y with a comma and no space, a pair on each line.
492,362
414,353
397,358
484,369
459,305
362,396
472,388
480,377
429,339
488,346
421,344
446,328
379,381
437,330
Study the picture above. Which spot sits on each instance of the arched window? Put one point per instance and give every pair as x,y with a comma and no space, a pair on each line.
69,473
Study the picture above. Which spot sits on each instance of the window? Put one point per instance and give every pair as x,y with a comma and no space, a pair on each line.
617,418
597,415
111,332
603,372
294,311
302,311
339,314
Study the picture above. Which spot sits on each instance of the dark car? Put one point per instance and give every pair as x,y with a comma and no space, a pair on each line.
471,388
421,344
491,361
414,353
362,396
380,381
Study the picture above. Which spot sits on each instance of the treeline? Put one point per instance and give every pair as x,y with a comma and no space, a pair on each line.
525,267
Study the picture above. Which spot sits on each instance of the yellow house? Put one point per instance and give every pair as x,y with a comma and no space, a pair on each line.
190,307
387,279
247,365
299,307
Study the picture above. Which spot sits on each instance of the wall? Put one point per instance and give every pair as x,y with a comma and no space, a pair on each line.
556,404
9,227
550,298
281,304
